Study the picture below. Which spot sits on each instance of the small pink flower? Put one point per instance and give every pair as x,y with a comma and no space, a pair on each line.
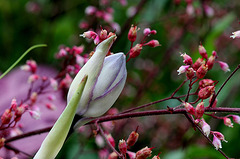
54,84
224,66
153,43
90,10
132,155
187,59
122,146
236,118
202,52
228,122
216,142
62,53
77,49
147,31
219,135
183,69
32,78
236,34
205,127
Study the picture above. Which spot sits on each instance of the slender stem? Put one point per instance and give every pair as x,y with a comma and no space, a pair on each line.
189,89
229,77
179,88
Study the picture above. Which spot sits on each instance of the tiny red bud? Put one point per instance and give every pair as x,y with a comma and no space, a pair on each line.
203,52
190,73
122,146
189,108
113,155
228,122
206,92
20,110
144,153
135,51
187,59
132,34
153,43
132,139
199,110
6,117
197,64
201,71
205,82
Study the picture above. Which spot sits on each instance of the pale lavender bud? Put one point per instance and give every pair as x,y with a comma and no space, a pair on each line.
236,34
224,66
183,69
217,142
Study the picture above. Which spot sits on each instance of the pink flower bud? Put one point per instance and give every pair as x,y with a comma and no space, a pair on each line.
236,34
205,82
190,73
13,104
187,59
66,82
147,31
32,78
216,142
205,127
202,71
90,10
89,35
182,69
132,34
33,65
236,118
51,106
206,92
77,50
97,40
203,52
99,141
131,155
135,51
199,110
113,155
132,138
62,53
6,117
198,63
111,139
219,135
224,66
144,153
189,108
211,60
54,84
20,110
2,142
33,97
156,157
228,122
153,43
122,146
103,34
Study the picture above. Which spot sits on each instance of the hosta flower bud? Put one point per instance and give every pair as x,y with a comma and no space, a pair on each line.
106,79
216,142
206,92
144,153
202,71
199,110
228,122
202,52
205,82
189,108
122,146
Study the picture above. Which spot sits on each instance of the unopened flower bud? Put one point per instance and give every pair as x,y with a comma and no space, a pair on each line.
190,73
132,34
156,157
135,51
13,104
202,71
51,106
205,82
216,142
236,34
211,60
90,10
66,82
33,65
20,110
132,155
33,97
147,31
228,122
89,35
103,34
198,63
32,78
54,84
224,66
206,92
199,110
113,155
189,108
111,139
132,138
2,142
144,153
202,52
236,118
122,146
182,69
205,127
6,117
76,50
187,59
153,43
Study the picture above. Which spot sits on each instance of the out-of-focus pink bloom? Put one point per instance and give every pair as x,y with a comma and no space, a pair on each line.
209,11
123,2
132,155
236,34
236,118
34,97
99,141
77,49
90,10
51,106
216,142
83,25
131,11
182,69
107,17
110,139
7,116
65,83
187,59
103,153
35,113
15,131
62,53
190,10
153,43
224,66
113,155
54,84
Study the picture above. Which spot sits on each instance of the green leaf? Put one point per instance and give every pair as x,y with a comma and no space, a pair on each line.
20,58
